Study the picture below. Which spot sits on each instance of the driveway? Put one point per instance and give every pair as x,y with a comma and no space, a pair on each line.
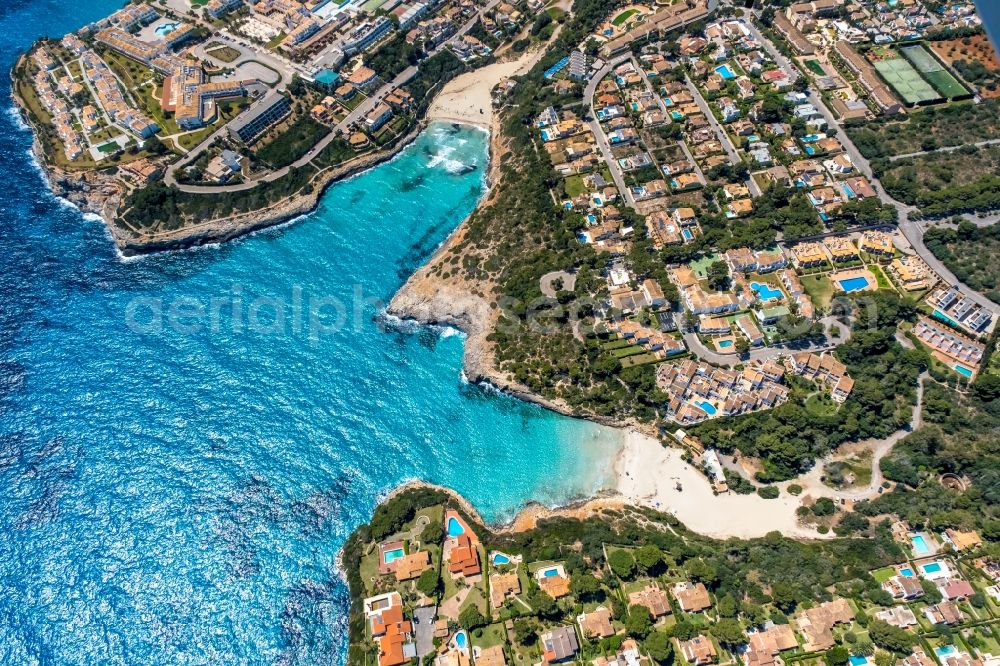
423,629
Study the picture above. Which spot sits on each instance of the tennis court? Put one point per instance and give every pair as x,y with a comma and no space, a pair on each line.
906,81
933,71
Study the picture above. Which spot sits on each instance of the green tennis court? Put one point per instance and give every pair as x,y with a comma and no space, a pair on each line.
933,71
906,81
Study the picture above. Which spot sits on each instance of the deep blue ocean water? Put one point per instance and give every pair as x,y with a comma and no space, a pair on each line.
174,488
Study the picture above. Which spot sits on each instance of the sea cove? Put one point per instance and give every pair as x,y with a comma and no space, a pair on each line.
178,491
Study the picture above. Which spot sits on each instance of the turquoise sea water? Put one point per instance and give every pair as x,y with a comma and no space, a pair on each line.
175,490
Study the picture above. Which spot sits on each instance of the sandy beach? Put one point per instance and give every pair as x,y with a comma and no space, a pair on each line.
648,473
467,99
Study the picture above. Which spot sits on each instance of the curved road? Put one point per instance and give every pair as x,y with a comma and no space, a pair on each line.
880,448
359,112
911,229
765,353
811,483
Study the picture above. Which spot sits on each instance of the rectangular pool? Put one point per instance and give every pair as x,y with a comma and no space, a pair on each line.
725,72
854,284
920,546
391,556
858,660
964,371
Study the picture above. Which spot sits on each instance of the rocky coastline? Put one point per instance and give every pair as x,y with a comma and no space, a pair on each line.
100,193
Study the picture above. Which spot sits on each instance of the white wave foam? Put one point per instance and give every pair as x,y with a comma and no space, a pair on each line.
15,115
410,326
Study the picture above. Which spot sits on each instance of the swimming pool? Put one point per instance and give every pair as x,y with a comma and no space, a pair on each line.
858,660
725,72
686,233
765,291
454,527
568,205
549,573
964,371
854,284
390,556
945,318
945,651
545,135
461,640
723,344
500,558
906,572
933,567
165,29
707,406
810,150
920,546
591,218
848,191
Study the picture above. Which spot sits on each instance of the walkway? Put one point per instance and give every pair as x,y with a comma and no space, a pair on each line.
811,482
946,149
880,448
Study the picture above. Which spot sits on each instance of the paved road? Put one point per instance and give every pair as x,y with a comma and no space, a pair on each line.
771,352
911,229
599,136
359,112
723,136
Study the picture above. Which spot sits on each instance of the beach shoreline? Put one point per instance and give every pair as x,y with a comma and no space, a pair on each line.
645,474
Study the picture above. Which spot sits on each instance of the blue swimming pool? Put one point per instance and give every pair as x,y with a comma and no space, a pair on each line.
725,72
848,191
461,640
810,150
920,546
500,558
549,573
906,572
591,218
933,567
945,318
164,29
765,291
945,651
858,660
707,406
545,135
854,284
964,371
724,344
392,555
454,527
